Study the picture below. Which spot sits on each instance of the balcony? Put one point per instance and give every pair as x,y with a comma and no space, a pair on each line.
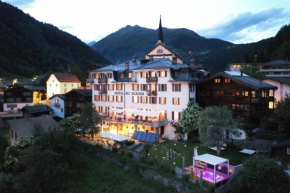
151,79
102,80
151,92
56,105
135,121
103,91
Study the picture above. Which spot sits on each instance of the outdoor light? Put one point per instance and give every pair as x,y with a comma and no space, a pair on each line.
173,163
219,168
174,143
185,145
231,171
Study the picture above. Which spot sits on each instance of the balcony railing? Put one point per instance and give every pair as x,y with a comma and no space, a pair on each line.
103,91
151,79
102,80
56,104
135,121
151,92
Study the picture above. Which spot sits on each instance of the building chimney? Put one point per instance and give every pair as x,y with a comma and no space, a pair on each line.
134,59
192,62
126,65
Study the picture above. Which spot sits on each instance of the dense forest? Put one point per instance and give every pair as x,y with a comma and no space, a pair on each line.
214,54
29,47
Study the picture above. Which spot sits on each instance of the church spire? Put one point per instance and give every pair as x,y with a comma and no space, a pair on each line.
160,33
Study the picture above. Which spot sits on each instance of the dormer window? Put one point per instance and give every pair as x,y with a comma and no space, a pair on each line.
122,75
159,51
176,74
130,75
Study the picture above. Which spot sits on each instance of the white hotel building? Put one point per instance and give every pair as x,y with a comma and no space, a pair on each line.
144,95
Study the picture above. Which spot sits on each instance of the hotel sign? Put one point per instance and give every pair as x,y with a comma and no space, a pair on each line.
131,93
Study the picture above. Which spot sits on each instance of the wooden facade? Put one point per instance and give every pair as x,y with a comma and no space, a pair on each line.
242,99
18,94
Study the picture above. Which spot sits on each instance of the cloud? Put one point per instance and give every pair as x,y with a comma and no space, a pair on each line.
20,3
241,26
65,27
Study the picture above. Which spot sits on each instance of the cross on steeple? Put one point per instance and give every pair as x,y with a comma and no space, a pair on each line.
160,33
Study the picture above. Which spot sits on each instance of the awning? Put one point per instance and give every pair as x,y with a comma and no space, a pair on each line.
211,159
143,113
116,110
119,138
106,134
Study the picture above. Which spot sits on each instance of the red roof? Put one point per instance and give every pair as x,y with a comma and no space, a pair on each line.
66,77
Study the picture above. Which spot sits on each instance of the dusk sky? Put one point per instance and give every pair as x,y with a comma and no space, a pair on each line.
238,21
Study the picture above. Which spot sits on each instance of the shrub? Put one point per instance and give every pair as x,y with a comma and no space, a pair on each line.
186,177
114,149
130,155
151,162
172,171
164,167
128,143
122,152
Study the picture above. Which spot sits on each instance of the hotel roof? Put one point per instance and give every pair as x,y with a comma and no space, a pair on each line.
284,80
277,62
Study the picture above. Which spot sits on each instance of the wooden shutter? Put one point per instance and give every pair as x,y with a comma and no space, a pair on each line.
121,98
132,99
172,115
179,87
113,86
179,116
132,87
137,99
172,87
137,87
165,73
165,100
173,101
146,100
178,101
165,87
141,74
159,100
159,87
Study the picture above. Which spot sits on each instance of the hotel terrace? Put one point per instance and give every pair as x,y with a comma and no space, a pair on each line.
144,95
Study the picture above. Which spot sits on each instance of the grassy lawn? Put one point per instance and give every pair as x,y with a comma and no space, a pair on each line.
186,149
94,175
5,132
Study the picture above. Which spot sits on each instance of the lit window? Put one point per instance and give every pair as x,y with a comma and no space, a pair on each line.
135,87
246,93
104,109
104,97
143,74
163,74
135,99
176,116
162,87
227,80
97,75
175,101
119,98
130,75
111,98
119,87
122,75
162,100
97,97
111,86
253,93
144,100
176,87
153,100
153,74
159,51
217,80
271,105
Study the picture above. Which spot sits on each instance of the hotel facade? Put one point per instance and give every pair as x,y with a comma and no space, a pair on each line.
144,95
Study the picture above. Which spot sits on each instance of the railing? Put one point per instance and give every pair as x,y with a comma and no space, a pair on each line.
56,105
151,79
151,92
135,121
102,80
103,91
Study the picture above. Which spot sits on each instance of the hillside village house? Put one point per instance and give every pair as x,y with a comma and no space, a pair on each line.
57,104
283,85
245,96
144,95
61,83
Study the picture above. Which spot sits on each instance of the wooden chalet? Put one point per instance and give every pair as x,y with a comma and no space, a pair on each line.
245,96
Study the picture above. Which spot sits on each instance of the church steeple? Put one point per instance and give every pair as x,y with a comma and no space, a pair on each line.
160,33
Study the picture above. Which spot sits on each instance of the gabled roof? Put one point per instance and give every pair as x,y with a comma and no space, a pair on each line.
119,67
165,48
66,77
84,92
245,80
277,62
36,109
161,63
61,96
283,80
24,127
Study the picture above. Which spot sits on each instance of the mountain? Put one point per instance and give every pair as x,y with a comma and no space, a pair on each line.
214,54
135,40
29,47
92,43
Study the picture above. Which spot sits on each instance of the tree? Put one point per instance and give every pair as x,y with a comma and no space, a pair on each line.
282,114
71,123
214,124
253,72
261,174
90,119
7,184
178,129
189,117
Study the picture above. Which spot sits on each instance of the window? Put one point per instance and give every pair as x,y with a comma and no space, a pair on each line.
217,80
110,98
163,74
254,93
135,87
12,134
98,109
111,87
162,100
227,80
119,98
50,85
135,99
56,85
97,75
61,110
175,115
18,99
27,93
119,87
159,51
271,105
288,151
9,93
152,74
152,100
52,80
143,99
175,101
29,99
109,75
72,85
64,85
191,88
143,74
104,98
174,59
122,75
144,87
176,73
176,87
162,87
97,97
130,75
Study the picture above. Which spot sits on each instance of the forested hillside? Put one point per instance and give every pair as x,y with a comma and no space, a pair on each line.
29,47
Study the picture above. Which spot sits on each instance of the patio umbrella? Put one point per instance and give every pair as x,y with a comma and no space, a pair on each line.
106,134
119,138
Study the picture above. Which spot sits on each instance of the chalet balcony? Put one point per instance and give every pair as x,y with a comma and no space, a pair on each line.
103,91
135,121
56,105
151,92
151,79
102,80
